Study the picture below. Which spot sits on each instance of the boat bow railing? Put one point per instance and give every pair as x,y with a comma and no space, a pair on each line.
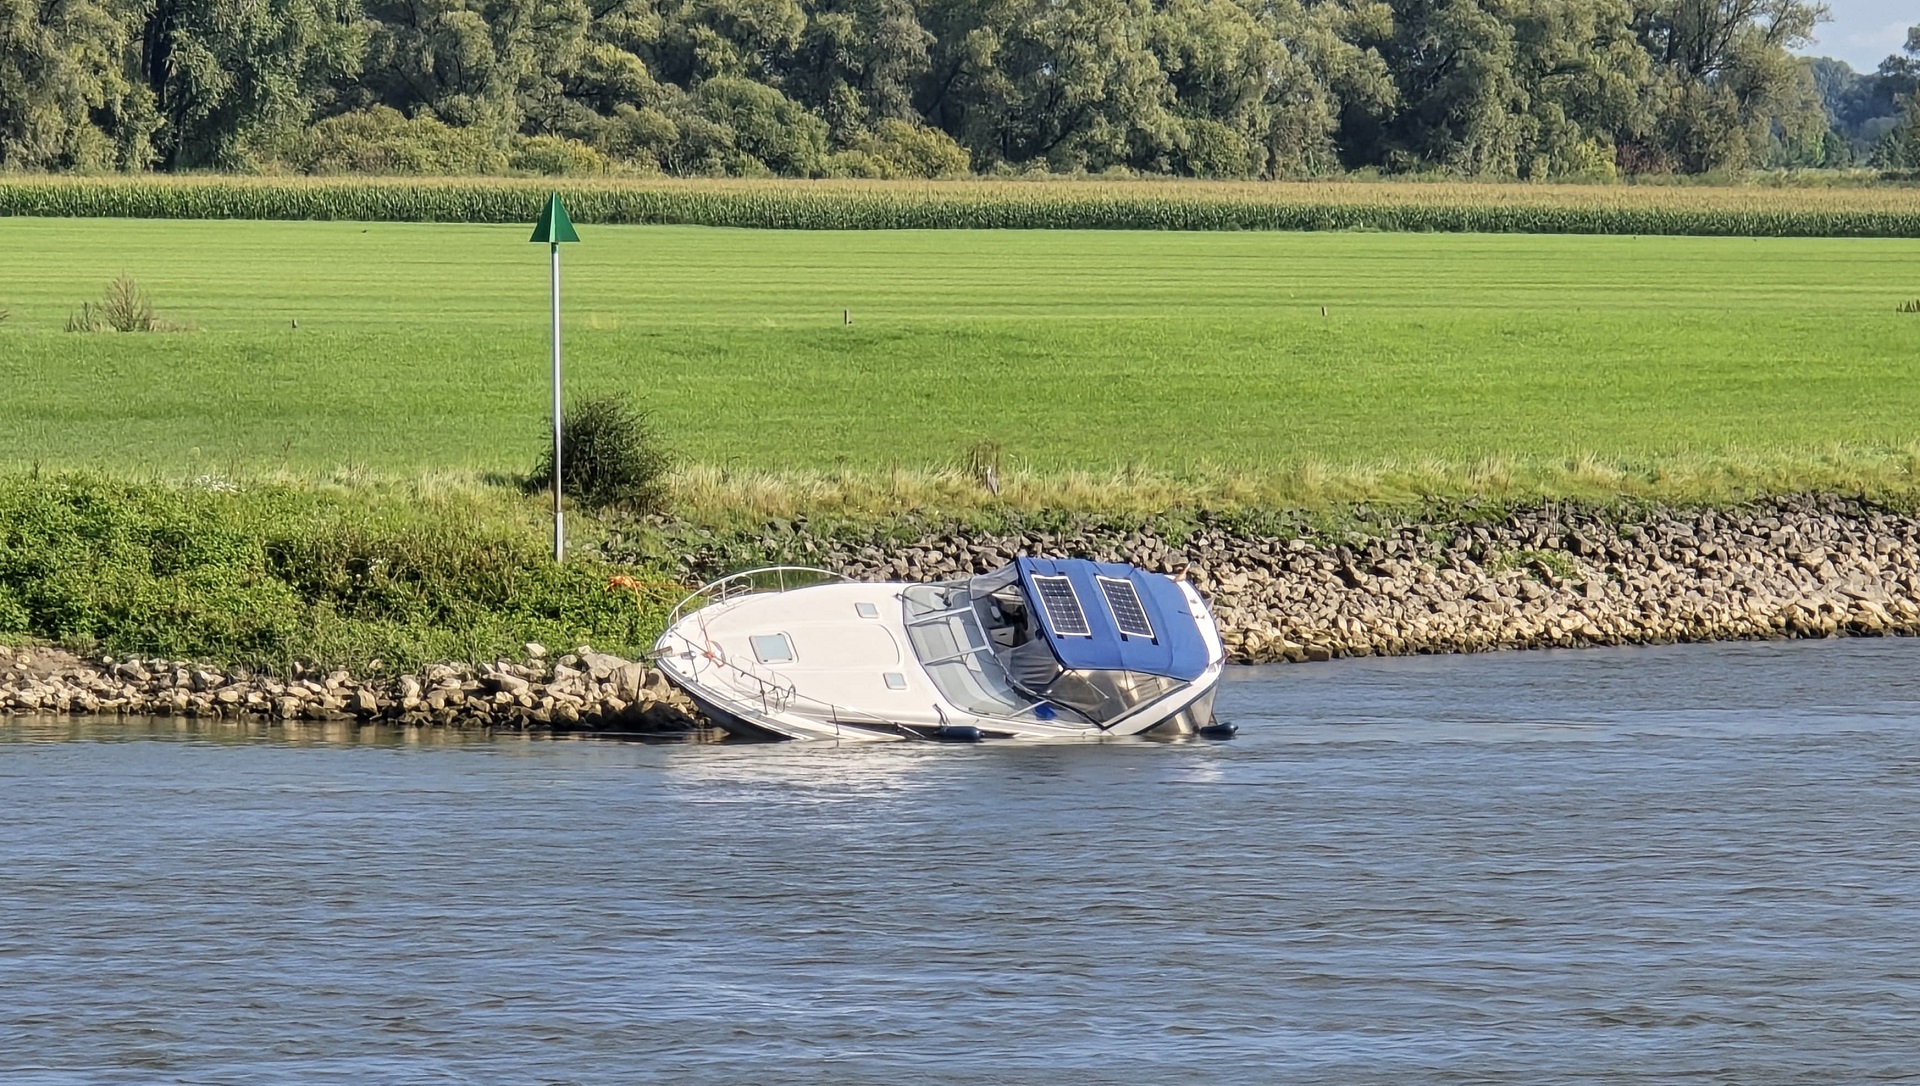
752,582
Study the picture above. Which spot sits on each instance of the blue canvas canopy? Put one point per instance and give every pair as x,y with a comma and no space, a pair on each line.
1098,642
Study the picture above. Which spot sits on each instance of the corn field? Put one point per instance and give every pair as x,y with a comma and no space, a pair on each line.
1021,205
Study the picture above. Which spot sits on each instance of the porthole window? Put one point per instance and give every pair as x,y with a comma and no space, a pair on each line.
772,648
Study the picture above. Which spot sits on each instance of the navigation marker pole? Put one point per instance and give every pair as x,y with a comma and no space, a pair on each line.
553,228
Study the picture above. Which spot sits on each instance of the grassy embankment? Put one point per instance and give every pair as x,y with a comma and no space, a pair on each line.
1115,371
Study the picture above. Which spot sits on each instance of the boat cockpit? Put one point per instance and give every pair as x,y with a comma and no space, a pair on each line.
1020,643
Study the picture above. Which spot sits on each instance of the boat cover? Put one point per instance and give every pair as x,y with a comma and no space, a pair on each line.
1176,650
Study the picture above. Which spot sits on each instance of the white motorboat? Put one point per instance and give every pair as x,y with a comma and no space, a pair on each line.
1040,649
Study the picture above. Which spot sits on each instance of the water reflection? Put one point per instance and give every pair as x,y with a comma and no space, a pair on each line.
295,733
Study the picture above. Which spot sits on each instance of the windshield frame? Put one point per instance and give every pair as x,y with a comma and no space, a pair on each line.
979,653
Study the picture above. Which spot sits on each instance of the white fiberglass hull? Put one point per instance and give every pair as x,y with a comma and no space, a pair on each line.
836,661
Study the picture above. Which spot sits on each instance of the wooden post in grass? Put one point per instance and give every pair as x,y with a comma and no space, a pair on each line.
553,228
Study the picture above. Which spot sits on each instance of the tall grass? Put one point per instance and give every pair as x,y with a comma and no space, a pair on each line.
1063,205
719,495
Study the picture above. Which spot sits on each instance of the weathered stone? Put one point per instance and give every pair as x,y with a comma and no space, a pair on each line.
628,681
506,683
600,665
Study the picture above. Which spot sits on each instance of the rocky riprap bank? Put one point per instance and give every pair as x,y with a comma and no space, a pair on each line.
1550,575
586,691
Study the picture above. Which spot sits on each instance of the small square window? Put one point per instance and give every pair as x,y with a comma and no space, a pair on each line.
772,648
896,681
866,610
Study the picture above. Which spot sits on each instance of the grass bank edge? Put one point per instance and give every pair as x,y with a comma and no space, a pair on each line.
1889,211
390,575
724,497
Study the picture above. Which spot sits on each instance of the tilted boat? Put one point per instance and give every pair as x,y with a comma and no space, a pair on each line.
1039,649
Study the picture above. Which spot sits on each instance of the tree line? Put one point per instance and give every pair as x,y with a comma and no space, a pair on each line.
883,88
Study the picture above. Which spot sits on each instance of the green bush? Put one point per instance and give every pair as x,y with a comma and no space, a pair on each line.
610,457
268,577
765,125
641,138
556,157
900,149
383,141
1212,149
14,618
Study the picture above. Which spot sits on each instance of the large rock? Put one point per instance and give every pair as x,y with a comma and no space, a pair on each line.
507,683
601,666
630,681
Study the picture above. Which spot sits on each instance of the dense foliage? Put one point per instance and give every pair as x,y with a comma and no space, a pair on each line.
275,576
927,88
1876,117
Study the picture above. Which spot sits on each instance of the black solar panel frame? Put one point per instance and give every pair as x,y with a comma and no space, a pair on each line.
1050,605
1124,610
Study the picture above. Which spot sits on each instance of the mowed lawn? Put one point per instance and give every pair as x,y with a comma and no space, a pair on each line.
425,346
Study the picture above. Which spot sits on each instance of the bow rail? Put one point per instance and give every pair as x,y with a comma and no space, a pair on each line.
751,582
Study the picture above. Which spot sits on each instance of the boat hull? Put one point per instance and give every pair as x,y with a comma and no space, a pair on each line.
834,661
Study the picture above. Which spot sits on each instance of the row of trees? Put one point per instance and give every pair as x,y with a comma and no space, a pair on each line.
1215,88
1875,117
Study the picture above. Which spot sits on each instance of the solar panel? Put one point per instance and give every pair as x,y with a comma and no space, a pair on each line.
1124,601
1062,605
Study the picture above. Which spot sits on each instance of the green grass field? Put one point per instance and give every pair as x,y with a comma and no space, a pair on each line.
1186,356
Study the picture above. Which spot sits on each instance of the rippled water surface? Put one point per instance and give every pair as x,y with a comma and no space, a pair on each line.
1642,865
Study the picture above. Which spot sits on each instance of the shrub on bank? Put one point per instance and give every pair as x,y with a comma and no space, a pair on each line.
277,575
610,458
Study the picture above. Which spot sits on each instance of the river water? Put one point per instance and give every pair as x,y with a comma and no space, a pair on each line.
1637,865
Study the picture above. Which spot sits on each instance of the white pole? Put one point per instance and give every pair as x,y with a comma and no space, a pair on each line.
559,532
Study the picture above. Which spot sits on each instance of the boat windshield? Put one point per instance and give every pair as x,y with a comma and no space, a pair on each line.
955,648
1030,666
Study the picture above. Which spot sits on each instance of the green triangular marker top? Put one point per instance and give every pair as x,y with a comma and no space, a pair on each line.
554,227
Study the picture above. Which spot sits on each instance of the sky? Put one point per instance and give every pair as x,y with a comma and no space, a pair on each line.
1864,32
